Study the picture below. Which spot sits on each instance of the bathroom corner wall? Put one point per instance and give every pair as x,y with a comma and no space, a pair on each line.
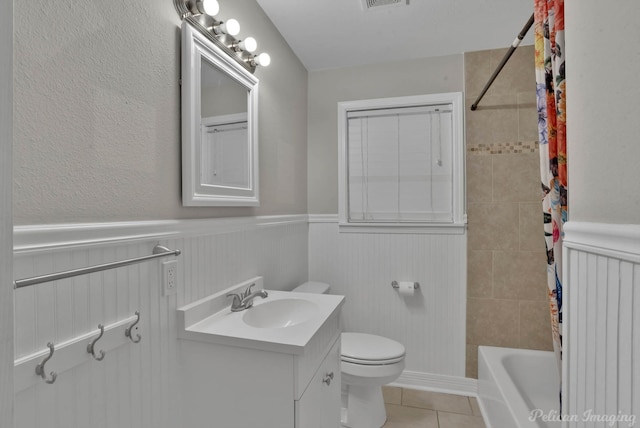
601,343
136,384
361,266
97,113
329,87
506,281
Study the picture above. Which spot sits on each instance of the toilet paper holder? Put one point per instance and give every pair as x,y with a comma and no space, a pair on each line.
394,284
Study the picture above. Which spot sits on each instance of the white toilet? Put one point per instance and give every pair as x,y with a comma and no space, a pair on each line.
368,362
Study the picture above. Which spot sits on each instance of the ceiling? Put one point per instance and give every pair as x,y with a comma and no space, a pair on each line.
340,33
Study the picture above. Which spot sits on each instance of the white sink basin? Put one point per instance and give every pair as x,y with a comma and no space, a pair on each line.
280,313
284,322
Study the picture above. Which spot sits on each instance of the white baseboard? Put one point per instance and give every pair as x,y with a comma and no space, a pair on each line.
437,383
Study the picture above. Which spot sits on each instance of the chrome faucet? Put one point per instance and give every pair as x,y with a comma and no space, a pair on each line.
244,300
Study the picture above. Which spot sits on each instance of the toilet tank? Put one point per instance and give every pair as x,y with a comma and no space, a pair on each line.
313,287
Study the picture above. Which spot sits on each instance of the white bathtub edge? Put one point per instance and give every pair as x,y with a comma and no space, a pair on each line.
483,412
498,395
485,354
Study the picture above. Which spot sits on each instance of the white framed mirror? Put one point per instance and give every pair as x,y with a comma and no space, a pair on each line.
219,126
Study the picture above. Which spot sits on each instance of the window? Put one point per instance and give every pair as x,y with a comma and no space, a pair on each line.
401,164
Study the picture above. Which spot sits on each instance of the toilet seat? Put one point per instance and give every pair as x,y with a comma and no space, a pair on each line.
369,349
371,362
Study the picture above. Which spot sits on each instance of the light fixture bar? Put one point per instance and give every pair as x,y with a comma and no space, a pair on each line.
200,13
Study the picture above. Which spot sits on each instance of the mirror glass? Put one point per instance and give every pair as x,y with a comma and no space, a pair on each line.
225,142
219,123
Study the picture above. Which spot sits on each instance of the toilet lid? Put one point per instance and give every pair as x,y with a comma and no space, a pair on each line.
362,348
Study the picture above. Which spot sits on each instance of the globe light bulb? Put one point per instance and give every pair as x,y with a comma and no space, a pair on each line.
231,27
249,44
210,7
263,59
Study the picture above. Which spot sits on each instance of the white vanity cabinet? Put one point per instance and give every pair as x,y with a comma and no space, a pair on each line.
235,376
230,387
319,406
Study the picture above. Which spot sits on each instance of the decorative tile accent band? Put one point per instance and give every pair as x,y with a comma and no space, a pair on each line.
504,148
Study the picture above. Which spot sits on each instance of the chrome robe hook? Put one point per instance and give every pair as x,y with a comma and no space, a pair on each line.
127,332
40,367
91,346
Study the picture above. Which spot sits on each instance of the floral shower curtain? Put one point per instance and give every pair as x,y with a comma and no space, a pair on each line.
551,97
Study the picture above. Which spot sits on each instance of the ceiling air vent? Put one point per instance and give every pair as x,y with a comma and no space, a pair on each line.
382,4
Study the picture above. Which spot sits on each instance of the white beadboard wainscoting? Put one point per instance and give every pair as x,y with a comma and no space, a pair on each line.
431,324
135,384
601,358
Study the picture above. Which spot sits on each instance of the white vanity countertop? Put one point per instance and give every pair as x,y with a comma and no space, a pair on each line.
228,328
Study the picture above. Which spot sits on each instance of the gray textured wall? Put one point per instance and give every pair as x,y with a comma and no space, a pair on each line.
6,224
328,87
97,113
603,102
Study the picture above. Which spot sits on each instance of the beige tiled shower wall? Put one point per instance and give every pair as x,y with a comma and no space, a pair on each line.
506,295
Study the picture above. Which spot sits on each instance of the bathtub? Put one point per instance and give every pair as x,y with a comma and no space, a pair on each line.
518,388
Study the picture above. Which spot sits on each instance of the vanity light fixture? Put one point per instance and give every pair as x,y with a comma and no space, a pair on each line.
200,14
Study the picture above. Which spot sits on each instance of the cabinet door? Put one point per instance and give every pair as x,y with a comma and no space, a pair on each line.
319,406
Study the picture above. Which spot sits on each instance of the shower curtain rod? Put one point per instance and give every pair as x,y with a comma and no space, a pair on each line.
513,47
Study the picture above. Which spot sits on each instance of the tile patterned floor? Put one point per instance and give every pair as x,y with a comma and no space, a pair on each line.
408,408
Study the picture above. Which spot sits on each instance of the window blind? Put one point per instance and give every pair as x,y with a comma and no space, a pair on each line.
400,164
